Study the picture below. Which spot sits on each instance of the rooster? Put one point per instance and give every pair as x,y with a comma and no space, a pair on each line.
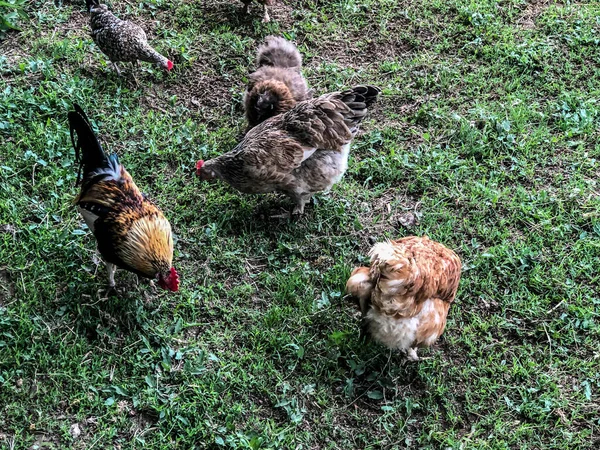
405,295
131,231
277,85
300,152
265,3
122,40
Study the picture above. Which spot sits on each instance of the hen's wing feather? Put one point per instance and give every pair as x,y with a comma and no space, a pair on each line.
330,121
410,271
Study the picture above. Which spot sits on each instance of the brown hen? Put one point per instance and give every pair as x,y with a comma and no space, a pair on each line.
406,293
300,152
277,85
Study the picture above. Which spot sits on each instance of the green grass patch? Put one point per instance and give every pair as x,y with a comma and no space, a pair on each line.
487,132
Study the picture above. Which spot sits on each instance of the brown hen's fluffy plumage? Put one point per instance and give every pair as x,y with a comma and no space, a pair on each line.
406,293
277,85
300,152
121,40
132,233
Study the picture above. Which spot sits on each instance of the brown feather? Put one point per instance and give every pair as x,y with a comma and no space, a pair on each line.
140,234
267,99
277,85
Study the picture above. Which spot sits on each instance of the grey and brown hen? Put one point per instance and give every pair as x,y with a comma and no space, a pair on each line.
300,152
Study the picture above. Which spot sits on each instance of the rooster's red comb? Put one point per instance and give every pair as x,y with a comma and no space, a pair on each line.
173,280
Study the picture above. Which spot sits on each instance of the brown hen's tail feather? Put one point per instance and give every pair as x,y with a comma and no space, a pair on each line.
88,151
278,52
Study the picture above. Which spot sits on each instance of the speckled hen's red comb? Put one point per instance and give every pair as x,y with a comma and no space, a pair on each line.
169,65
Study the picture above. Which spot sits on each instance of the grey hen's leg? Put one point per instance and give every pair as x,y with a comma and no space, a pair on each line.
135,65
111,268
300,200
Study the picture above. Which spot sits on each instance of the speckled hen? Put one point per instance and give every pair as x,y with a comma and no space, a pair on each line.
265,3
122,40
406,293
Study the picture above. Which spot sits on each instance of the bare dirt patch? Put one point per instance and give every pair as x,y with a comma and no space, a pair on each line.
354,51
531,12
393,210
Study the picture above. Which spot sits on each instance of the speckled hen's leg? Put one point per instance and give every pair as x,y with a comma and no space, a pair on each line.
111,274
134,65
116,68
266,17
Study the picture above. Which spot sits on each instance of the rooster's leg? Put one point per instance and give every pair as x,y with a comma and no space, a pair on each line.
111,274
266,17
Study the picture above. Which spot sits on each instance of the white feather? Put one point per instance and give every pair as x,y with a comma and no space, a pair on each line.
112,173
345,152
89,217
384,251
308,153
401,333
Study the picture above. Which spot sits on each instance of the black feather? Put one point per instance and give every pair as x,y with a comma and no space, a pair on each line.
90,3
88,151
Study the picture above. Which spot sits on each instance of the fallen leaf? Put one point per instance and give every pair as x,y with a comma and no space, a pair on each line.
75,431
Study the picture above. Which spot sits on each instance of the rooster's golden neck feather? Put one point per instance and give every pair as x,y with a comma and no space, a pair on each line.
148,245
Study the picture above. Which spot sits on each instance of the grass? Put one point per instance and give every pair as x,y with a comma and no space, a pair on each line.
487,132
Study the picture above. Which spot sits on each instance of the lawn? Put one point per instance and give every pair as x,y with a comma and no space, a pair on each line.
485,138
